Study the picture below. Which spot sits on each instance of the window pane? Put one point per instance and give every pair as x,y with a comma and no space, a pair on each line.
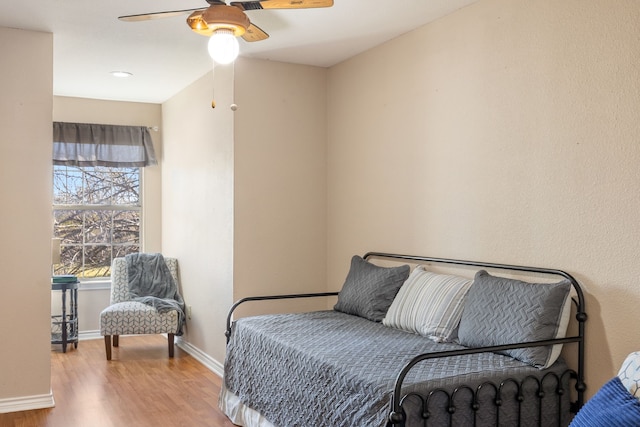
67,225
120,251
97,186
126,227
67,185
97,261
126,187
97,226
70,260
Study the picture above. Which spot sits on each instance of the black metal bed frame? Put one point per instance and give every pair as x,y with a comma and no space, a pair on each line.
397,415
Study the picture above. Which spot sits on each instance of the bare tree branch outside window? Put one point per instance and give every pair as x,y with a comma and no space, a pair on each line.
96,213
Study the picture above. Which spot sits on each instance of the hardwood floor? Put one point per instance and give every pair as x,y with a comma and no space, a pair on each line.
140,387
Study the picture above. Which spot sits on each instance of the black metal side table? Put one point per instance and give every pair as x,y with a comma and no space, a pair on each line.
64,327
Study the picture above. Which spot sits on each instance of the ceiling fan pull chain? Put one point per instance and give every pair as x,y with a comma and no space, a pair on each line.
213,87
233,105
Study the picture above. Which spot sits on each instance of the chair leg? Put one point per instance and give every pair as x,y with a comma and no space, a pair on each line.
170,341
116,340
107,346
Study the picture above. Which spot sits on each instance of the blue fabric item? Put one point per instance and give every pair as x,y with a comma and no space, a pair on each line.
611,406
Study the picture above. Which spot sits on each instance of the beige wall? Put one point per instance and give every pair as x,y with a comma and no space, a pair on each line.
197,204
280,182
82,110
504,132
25,218
244,192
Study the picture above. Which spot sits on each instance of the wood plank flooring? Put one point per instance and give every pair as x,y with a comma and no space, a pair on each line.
140,387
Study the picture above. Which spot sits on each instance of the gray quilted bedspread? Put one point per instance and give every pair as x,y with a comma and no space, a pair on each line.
333,369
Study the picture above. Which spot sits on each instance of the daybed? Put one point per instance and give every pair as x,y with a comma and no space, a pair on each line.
415,348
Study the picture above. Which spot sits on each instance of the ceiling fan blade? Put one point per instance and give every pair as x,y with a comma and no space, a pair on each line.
155,15
254,34
281,4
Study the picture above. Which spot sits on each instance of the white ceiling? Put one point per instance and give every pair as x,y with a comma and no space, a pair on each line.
165,56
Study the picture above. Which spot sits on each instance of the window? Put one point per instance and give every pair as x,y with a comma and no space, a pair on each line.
96,213
96,194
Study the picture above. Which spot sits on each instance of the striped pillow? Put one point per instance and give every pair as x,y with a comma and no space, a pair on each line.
429,304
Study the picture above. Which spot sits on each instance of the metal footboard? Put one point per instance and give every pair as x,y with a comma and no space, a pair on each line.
484,403
397,415
494,402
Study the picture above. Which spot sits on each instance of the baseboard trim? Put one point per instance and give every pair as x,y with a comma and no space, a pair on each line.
209,362
27,403
89,335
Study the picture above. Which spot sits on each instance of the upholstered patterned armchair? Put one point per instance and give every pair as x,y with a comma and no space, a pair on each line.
127,317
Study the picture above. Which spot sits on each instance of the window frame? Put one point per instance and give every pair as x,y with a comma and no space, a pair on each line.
102,281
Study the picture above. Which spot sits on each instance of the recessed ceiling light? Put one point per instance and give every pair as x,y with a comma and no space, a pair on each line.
122,74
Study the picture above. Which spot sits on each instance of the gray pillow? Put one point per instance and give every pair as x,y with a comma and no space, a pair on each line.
504,311
369,289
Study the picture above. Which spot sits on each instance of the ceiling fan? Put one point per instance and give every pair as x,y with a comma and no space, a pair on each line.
231,18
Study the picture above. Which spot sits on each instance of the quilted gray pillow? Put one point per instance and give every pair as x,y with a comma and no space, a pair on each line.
504,311
369,289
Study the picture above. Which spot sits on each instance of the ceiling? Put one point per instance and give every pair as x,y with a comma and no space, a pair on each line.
165,56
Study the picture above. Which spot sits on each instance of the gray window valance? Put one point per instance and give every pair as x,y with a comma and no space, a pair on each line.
82,144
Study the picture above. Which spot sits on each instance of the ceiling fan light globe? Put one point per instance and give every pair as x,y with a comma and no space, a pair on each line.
223,46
